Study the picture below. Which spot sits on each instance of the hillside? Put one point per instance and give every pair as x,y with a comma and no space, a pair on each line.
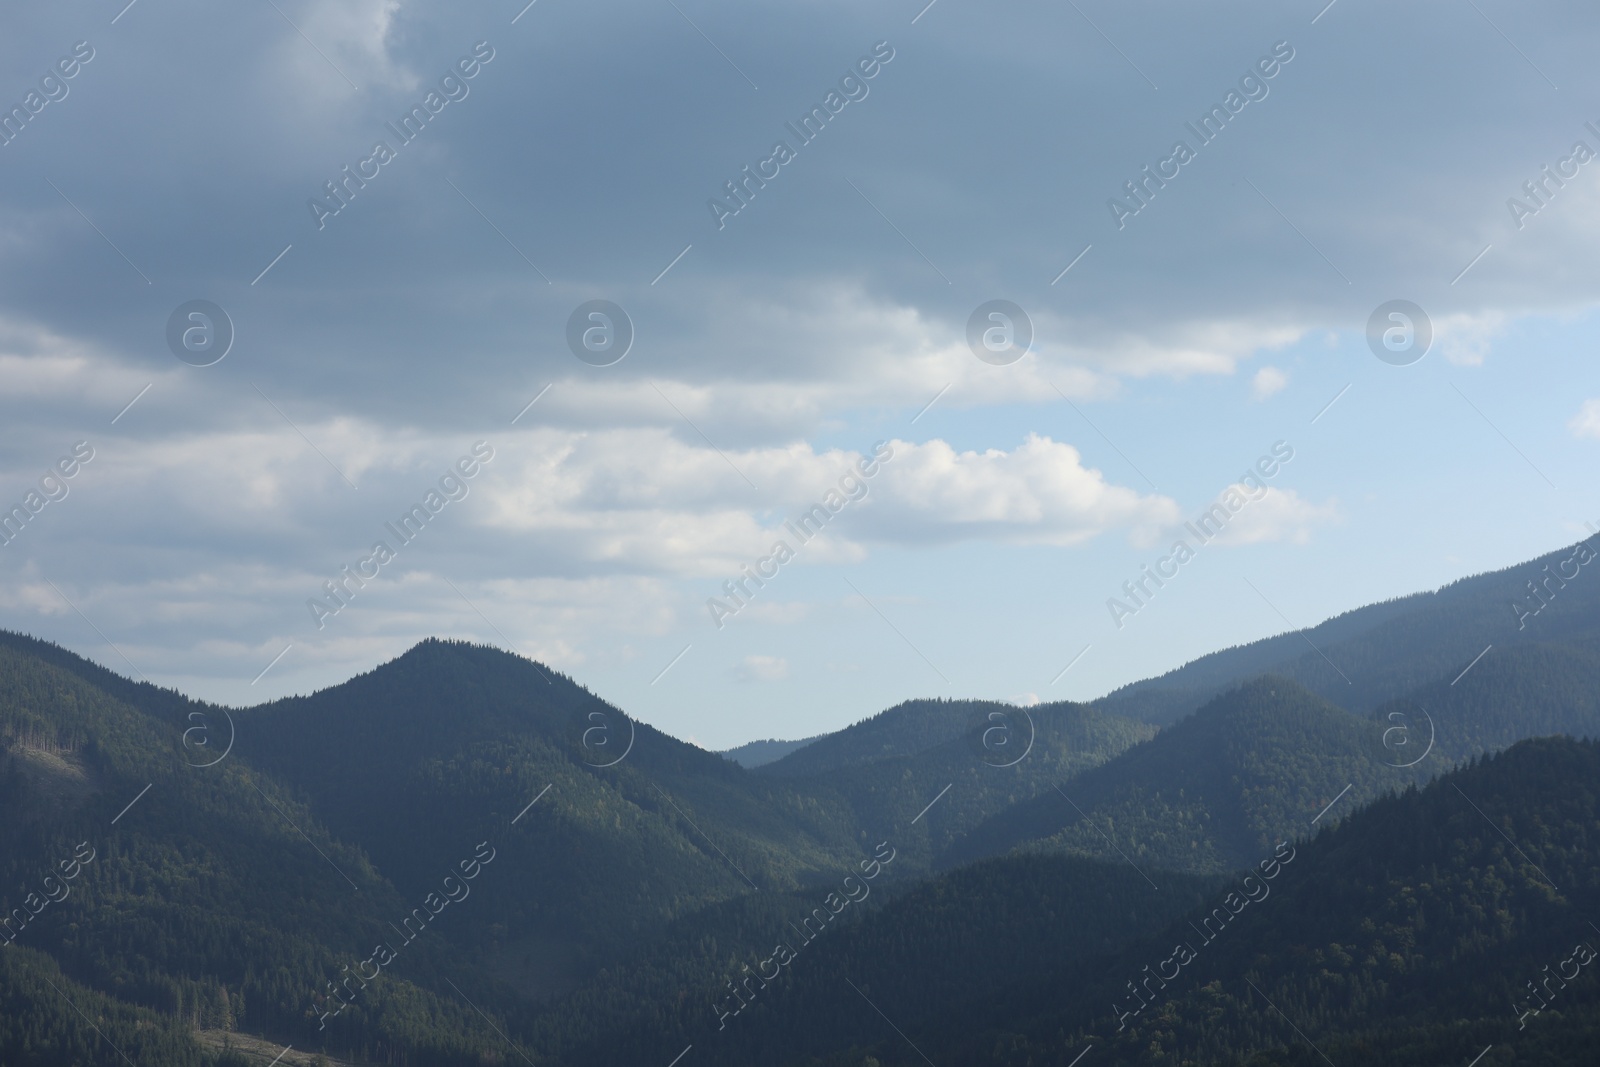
354,802
931,951
1416,931
210,895
1207,794
1405,935
1362,658
935,795
906,729
590,886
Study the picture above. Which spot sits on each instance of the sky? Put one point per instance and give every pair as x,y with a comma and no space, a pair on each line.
542,319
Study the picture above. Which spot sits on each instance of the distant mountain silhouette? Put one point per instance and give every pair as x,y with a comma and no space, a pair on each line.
758,753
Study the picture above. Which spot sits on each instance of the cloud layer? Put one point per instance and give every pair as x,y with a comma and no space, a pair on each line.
374,345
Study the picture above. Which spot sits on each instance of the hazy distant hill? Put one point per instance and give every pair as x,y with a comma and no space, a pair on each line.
758,753
904,730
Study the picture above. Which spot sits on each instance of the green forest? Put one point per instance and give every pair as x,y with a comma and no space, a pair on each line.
429,864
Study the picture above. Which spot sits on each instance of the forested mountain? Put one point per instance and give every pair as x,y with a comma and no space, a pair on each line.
463,857
412,758
209,894
905,730
1206,793
938,951
1407,934
1362,658
1003,756
355,803
1424,929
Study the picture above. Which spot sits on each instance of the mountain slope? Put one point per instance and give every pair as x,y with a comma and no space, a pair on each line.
1416,931
1207,794
1376,653
919,953
449,732
936,794
1408,934
405,758
208,894
41,1024
235,864
906,729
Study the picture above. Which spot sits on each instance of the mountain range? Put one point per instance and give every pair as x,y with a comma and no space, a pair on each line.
466,857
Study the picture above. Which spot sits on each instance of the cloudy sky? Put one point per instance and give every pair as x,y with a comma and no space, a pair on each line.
1182,334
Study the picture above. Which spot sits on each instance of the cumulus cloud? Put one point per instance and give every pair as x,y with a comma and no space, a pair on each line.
1278,515
1038,493
643,501
272,476
1268,381
225,537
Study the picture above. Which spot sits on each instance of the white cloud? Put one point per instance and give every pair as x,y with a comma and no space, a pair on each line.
1179,347
1278,515
568,541
1268,380
1465,339
645,502
205,522
633,501
38,364
1586,423
1038,493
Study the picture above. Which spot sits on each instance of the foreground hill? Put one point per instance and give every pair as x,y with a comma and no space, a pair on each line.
932,952
191,896
1422,929
1406,935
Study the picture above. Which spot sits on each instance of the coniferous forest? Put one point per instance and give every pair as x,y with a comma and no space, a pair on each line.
442,862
